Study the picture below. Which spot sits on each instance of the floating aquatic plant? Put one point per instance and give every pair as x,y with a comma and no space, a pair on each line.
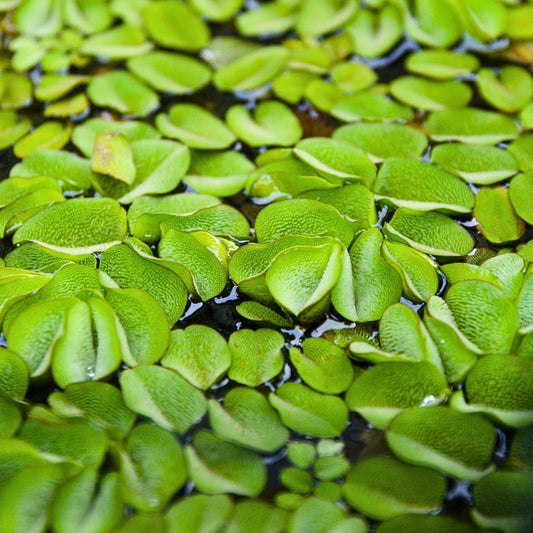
266,266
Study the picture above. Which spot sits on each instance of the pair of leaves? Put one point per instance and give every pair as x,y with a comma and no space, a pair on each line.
47,327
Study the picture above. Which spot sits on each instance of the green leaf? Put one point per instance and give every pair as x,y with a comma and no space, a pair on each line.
130,269
120,42
495,214
336,160
283,178
59,441
203,224
100,403
260,313
507,268
252,69
16,286
430,95
301,217
12,128
14,375
317,516
266,19
520,191
143,521
74,358
300,278
72,172
39,18
383,141
67,281
432,23
470,125
291,85
175,204
476,163
308,412
13,189
375,32
353,76
510,90
520,456
219,11
112,155
417,185
519,22
32,332
385,390
160,166
246,418
458,444
81,225
499,386
318,17
521,150
370,106
403,337
87,16
54,86
17,455
484,314
301,454
355,202
323,366
123,92
255,355
457,354
10,417
48,136
25,499
271,124
144,325
170,73
429,232
222,50
484,20
80,506
420,279
219,173
69,107
33,256
354,297
323,94
195,126
199,259
258,516
21,210
503,500
441,64
200,354
383,487
175,25
163,396
412,523
526,251
199,513
524,303
151,467
526,116
296,480
84,135
17,90
217,467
